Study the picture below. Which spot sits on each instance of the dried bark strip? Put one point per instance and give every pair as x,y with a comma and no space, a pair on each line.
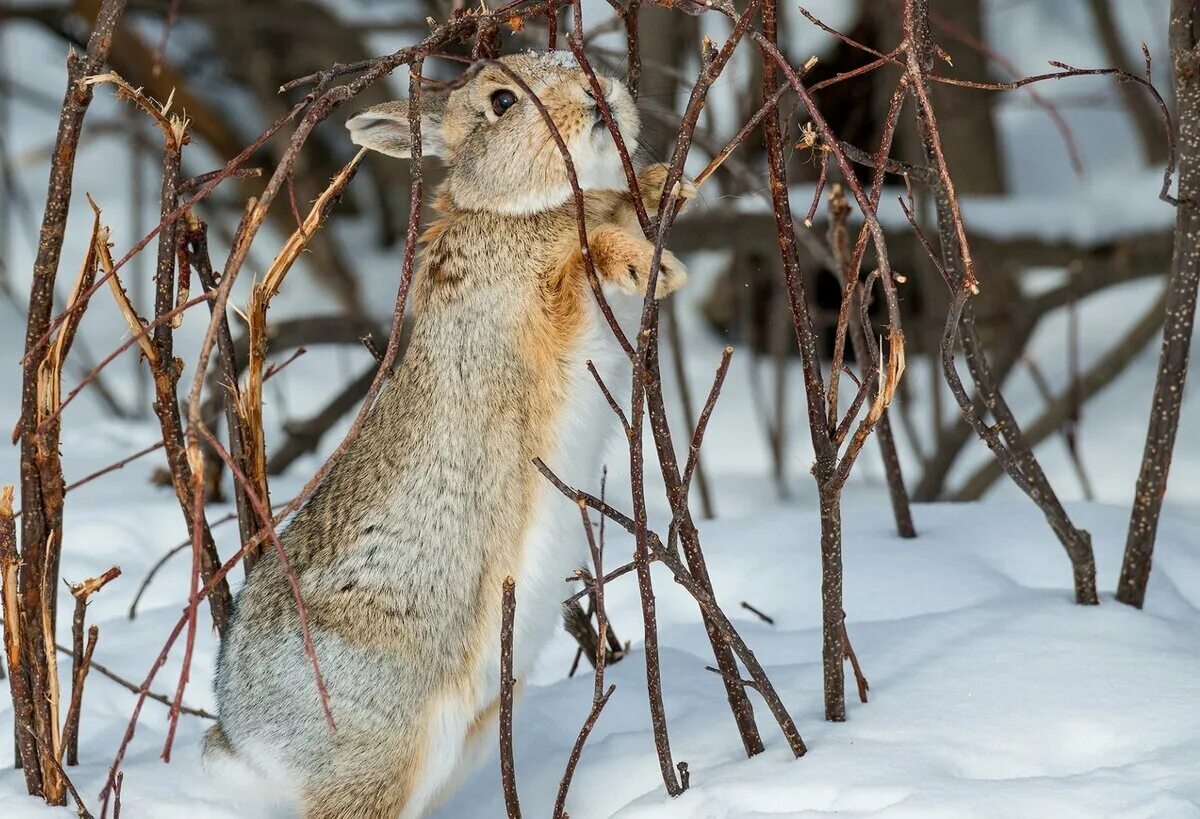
249,408
849,323
1182,284
14,645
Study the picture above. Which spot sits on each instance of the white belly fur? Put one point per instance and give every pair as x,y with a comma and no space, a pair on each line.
554,548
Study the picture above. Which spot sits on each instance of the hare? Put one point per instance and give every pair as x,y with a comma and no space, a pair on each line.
402,550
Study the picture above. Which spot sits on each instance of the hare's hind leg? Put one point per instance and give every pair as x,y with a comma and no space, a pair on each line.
362,787
405,777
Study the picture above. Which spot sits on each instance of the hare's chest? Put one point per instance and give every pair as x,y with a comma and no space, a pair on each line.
585,429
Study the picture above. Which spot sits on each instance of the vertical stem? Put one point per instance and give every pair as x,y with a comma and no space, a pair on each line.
689,537
166,377
41,473
833,647
851,322
75,712
508,773
658,718
196,241
901,509
15,646
826,452
1180,315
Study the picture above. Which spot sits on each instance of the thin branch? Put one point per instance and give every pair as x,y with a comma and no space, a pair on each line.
508,772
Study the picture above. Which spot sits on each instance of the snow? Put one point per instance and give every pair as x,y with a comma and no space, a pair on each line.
992,694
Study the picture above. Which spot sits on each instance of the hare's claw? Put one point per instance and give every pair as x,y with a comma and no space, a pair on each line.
626,266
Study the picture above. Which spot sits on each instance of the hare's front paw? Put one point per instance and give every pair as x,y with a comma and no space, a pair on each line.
653,179
626,265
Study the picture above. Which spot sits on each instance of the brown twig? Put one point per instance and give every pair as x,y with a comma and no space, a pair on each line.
859,678
608,396
684,390
80,659
710,404
78,677
647,387
193,244
770,621
600,695
508,771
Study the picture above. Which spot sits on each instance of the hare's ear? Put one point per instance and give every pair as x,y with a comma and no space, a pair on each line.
384,127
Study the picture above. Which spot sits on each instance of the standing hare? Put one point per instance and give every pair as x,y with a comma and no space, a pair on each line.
402,550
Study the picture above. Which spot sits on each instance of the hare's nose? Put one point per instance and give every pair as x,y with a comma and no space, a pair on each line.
606,86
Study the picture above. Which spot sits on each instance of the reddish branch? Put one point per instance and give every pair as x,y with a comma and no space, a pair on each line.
112,782
264,516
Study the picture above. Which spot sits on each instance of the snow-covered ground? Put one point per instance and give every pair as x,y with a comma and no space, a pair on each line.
991,693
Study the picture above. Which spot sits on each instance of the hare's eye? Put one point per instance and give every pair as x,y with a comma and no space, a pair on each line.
502,100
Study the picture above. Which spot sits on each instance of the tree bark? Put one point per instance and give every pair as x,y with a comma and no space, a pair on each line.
1180,314
41,474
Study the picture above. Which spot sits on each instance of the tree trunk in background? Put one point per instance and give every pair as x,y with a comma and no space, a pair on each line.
966,117
1146,121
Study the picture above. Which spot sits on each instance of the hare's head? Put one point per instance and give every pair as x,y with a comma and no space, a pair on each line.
500,154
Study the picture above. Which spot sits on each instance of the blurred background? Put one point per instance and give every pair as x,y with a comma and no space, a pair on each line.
1059,183
967,631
